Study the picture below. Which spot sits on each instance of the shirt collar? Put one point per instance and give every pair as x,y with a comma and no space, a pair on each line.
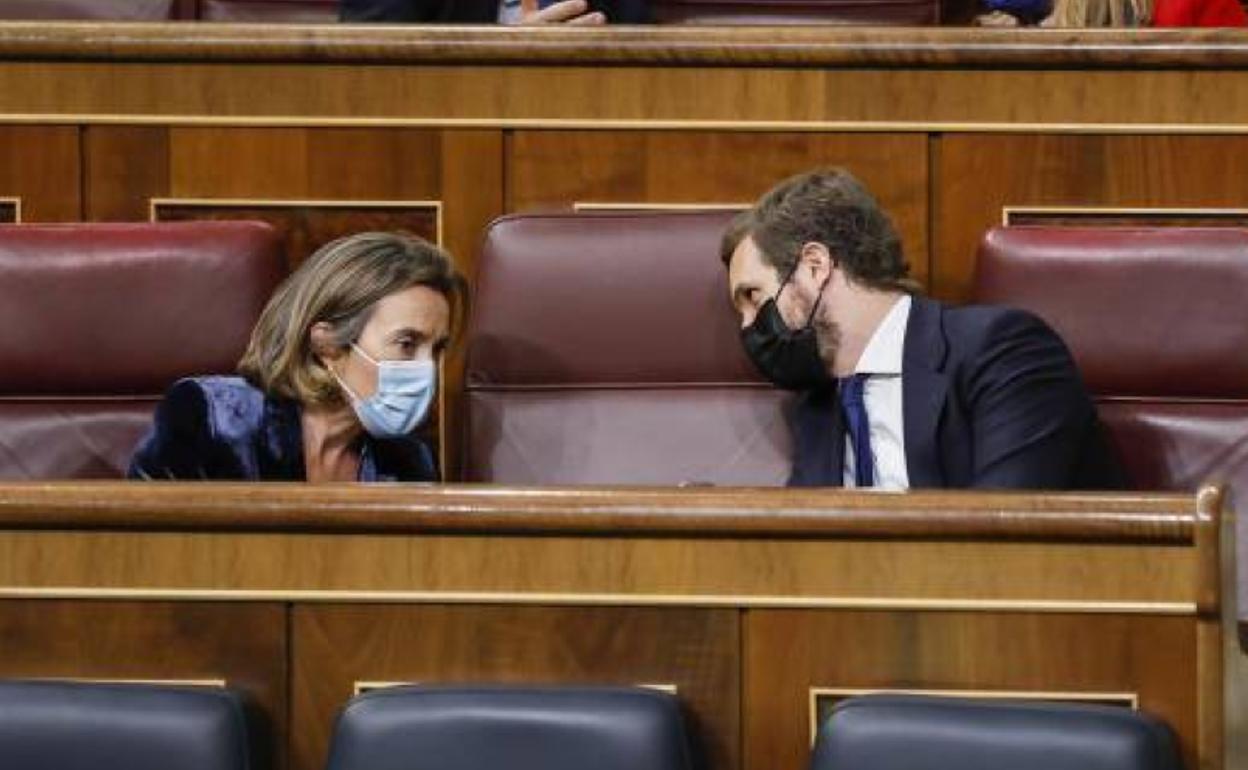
883,353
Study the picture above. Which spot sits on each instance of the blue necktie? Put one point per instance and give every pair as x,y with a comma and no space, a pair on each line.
855,409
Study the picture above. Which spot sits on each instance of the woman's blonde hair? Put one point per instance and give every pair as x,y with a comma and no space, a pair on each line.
1100,13
339,285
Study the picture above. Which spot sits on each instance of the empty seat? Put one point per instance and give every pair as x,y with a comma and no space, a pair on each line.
519,728
889,732
603,349
99,319
84,726
1156,319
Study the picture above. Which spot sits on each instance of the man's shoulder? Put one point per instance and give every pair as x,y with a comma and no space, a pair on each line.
970,328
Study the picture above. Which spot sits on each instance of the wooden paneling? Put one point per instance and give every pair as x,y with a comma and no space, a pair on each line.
715,167
124,167
979,174
337,646
305,226
40,165
789,652
359,165
243,644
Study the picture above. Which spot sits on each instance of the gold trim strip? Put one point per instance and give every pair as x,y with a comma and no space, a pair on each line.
1009,211
683,600
847,126
1129,699
587,206
361,687
102,680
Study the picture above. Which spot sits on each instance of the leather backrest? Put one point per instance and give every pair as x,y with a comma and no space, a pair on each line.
900,12
485,728
100,318
113,10
920,733
1156,321
86,726
603,349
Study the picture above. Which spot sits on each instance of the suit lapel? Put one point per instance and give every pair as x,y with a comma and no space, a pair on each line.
924,385
820,445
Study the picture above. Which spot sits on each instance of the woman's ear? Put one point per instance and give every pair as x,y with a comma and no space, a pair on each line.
325,343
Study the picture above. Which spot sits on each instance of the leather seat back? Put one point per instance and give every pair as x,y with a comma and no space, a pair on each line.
485,728
918,733
604,349
100,318
89,726
1156,320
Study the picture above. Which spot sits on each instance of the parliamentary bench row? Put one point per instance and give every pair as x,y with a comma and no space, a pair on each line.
602,346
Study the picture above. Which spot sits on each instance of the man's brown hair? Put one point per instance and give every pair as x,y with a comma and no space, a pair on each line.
831,207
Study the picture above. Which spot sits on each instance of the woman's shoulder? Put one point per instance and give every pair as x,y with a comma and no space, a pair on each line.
228,405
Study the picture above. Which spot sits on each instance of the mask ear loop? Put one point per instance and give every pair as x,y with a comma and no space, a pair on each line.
814,308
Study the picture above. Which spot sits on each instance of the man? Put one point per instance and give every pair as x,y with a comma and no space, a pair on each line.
900,391
488,11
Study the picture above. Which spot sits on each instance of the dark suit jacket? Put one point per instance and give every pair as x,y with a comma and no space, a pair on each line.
210,428
990,399
471,11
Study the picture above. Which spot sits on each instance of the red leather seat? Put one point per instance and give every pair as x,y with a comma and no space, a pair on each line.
1156,319
604,349
99,319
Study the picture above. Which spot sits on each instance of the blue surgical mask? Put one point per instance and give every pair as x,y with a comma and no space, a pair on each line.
405,391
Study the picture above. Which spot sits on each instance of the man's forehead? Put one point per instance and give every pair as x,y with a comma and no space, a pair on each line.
747,264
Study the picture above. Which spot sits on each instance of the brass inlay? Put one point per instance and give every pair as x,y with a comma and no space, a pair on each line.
155,205
364,686
823,699
109,680
580,206
609,599
1092,213
16,204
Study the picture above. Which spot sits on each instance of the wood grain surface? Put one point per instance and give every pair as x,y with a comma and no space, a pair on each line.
337,647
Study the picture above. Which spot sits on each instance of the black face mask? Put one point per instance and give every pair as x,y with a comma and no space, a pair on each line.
788,358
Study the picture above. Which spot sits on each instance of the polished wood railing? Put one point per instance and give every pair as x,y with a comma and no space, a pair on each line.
761,607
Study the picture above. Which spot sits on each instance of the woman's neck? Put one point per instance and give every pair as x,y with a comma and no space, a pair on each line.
331,443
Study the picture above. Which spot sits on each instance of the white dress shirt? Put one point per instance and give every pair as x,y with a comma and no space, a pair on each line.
882,395
509,12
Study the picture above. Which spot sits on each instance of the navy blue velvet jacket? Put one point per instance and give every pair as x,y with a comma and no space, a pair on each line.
991,398
222,428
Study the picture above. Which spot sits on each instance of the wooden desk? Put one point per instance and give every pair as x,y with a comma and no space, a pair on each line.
760,607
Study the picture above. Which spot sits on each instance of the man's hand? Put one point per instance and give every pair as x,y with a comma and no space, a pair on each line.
565,12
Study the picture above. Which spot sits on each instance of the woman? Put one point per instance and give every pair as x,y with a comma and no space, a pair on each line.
340,370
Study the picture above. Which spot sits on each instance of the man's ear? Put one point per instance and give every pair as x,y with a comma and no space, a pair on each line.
325,343
816,261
